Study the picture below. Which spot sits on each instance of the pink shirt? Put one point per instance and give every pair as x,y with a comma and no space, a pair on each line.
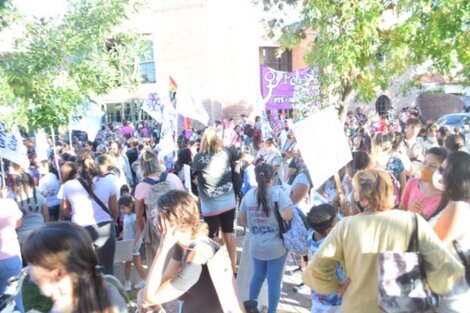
142,190
126,130
412,193
9,215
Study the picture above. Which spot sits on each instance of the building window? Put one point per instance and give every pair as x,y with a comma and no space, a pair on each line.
147,65
268,57
113,113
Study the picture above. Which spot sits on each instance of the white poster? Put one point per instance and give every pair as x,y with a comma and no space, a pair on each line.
41,147
12,147
323,145
91,120
188,104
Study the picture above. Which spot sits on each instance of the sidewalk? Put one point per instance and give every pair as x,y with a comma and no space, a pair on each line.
290,302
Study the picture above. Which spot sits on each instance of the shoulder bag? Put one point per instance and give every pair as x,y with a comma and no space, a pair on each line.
402,279
95,197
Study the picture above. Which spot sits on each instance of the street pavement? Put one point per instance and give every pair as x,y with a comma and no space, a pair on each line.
291,301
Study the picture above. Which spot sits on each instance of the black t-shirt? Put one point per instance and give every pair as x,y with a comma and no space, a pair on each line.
195,281
214,171
132,155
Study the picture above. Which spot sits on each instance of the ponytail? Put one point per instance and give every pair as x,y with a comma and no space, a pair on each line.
88,168
90,293
264,175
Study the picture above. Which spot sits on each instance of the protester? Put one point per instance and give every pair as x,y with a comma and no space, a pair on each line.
452,225
414,145
126,206
455,142
152,172
32,204
321,219
117,150
431,137
49,185
213,167
269,154
108,168
442,134
420,195
258,212
10,252
183,169
127,130
356,242
186,277
68,271
79,199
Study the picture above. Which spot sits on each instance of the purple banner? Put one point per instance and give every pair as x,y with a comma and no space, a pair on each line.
277,88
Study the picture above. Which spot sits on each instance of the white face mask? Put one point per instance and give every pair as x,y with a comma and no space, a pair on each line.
431,139
437,181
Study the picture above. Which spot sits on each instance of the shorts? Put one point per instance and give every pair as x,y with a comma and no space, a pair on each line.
136,248
224,220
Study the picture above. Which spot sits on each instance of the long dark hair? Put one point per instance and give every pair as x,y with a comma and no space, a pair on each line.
184,157
74,252
87,167
457,176
25,182
264,174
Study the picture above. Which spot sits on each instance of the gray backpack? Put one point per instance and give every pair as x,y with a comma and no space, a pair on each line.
159,188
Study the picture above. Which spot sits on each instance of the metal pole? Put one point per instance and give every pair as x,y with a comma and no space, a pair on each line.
56,158
3,173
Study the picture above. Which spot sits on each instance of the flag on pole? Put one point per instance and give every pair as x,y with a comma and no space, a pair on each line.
160,107
43,151
12,147
188,104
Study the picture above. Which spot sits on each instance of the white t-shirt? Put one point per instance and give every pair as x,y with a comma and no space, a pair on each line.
85,211
49,186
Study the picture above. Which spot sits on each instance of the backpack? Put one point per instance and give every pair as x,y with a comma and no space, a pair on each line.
159,188
294,232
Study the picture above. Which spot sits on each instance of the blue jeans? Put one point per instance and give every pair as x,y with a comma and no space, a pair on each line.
10,268
273,271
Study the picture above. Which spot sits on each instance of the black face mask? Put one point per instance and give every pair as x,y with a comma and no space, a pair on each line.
359,206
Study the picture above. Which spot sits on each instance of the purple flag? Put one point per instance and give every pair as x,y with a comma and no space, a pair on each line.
277,88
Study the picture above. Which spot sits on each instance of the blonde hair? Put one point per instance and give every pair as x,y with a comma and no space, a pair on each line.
106,162
179,207
376,186
149,163
210,142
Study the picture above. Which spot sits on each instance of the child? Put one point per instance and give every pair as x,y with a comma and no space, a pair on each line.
322,218
126,205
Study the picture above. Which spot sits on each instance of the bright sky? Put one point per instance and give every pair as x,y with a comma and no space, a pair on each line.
41,8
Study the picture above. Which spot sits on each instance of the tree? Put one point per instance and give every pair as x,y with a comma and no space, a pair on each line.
361,45
60,64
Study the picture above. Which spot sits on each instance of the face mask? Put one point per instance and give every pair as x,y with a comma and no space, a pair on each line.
426,175
431,139
436,181
359,206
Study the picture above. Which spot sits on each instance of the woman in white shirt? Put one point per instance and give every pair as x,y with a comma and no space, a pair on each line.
49,185
98,219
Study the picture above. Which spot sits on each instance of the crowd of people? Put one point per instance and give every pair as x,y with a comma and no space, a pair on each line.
64,215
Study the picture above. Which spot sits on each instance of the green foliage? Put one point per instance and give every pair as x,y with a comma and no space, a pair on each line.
360,45
59,64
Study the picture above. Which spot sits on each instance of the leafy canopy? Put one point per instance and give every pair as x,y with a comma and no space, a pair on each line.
360,45
58,64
